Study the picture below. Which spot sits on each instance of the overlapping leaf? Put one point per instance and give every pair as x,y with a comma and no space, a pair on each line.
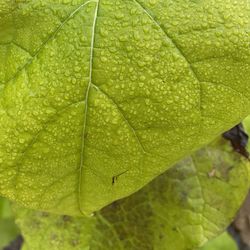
181,209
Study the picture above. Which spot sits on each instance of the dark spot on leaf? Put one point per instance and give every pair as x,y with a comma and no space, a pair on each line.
44,214
161,236
66,218
75,242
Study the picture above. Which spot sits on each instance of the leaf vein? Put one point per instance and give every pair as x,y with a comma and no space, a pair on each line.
123,116
173,42
86,104
50,38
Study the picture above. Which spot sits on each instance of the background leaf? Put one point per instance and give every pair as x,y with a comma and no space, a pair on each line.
222,242
8,228
183,208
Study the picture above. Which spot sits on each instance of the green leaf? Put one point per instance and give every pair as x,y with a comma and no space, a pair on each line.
222,242
99,97
189,204
5,210
44,231
8,228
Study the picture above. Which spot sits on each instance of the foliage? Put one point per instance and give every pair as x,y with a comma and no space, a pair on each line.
99,100
8,229
193,202
99,97
223,242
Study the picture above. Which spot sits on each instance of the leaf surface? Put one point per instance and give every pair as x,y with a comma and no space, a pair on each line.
183,208
99,97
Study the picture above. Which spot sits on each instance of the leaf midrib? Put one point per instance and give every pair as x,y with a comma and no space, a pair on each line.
40,49
86,105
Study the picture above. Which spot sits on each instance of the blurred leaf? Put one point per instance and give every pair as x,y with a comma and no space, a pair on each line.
5,209
183,208
223,242
8,228
53,232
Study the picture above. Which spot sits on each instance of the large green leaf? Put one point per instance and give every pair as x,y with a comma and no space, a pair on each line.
181,209
98,97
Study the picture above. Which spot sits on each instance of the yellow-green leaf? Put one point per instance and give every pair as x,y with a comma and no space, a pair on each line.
99,97
189,204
